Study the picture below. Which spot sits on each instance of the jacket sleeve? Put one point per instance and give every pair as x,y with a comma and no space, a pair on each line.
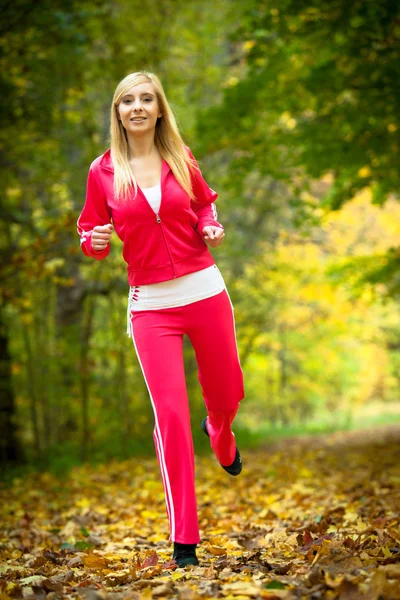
204,203
95,212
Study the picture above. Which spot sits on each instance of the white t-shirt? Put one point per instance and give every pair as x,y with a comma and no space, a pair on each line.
153,195
175,292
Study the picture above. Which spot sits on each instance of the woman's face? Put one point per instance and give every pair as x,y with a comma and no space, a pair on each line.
138,109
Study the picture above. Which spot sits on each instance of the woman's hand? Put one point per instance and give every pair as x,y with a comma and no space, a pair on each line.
213,235
101,236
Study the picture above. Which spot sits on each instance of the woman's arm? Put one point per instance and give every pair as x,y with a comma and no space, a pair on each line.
204,203
94,216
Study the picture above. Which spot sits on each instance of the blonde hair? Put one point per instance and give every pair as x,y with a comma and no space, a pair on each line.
166,138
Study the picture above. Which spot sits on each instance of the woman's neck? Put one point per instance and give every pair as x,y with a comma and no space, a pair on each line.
142,147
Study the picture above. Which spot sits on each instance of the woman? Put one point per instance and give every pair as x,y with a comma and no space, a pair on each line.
151,189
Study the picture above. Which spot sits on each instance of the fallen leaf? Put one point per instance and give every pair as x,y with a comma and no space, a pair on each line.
216,550
95,561
241,588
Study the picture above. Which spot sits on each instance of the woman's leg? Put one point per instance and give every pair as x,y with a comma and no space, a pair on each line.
158,338
210,326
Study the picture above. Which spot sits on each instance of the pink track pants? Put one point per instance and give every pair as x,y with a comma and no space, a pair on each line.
158,340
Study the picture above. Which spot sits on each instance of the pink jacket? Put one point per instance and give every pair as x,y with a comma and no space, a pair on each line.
156,247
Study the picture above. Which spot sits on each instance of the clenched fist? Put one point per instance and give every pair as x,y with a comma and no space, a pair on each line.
101,236
213,235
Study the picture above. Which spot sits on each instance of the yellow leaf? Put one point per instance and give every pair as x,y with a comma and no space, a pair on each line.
249,44
95,561
350,517
364,172
216,550
84,502
242,587
332,581
150,514
304,472
274,594
118,577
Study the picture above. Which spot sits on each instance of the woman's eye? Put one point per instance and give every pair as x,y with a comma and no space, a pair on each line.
148,99
127,101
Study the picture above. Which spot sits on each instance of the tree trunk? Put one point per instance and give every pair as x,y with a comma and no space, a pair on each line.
31,381
42,369
85,375
10,447
124,402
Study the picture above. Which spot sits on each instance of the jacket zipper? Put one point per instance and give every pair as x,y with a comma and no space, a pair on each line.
166,245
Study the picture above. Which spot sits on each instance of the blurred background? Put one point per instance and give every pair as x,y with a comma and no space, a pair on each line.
292,109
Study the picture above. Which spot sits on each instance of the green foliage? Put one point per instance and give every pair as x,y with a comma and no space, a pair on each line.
291,109
320,92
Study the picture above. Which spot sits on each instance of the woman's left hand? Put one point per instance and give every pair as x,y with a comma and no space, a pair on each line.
213,235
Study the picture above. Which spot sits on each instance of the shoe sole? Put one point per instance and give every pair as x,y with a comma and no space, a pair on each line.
236,467
186,562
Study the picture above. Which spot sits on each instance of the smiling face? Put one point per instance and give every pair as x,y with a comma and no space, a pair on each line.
138,109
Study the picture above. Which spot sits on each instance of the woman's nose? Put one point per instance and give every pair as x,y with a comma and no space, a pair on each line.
137,105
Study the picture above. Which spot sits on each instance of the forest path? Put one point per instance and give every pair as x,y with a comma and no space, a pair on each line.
309,518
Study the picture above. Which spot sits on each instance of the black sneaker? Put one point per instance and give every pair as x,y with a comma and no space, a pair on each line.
185,554
236,467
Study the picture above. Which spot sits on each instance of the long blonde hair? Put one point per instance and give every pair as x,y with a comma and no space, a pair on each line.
166,138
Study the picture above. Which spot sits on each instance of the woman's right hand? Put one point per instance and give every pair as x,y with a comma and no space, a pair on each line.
101,236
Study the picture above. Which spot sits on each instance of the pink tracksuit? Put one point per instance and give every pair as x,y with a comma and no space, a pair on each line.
158,339
161,247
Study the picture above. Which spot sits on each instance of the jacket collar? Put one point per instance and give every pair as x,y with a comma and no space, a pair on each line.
107,164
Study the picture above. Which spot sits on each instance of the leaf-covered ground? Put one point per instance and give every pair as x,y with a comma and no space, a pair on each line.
307,519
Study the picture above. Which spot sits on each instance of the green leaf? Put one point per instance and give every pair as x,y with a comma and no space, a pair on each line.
275,585
67,546
318,519
83,546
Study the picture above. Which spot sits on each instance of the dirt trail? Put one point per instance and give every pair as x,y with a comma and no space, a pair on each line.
309,518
